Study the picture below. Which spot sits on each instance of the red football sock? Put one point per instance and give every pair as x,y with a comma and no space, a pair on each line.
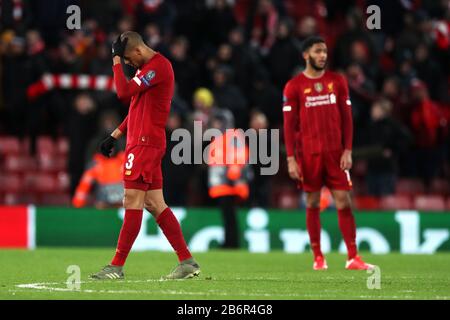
313,226
348,229
172,230
130,229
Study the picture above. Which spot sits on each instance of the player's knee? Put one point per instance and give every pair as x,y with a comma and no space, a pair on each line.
130,201
150,205
343,201
313,201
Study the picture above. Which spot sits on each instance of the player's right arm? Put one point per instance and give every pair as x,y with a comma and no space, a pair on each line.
291,123
126,89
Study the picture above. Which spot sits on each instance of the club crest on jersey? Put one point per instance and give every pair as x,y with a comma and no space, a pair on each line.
318,86
148,77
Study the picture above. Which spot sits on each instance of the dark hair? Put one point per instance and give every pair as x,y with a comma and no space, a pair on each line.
310,41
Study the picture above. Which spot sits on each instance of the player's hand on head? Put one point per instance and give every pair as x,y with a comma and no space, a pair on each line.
346,160
107,145
119,46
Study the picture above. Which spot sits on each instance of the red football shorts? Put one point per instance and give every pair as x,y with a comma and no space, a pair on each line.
323,169
142,168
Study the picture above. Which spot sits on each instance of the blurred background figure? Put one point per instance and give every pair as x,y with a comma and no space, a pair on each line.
260,185
176,177
102,182
386,140
430,129
81,119
104,175
228,173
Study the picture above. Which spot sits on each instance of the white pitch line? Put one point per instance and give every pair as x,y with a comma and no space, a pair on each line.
53,287
49,286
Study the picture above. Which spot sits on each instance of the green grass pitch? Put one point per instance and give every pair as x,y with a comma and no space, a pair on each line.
41,274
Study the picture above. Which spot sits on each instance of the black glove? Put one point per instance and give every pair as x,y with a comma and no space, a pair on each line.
118,47
107,145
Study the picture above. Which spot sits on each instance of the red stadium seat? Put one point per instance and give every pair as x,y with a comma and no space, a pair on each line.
40,182
62,145
440,187
55,199
409,187
426,202
288,200
9,145
20,163
396,202
10,183
20,198
63,181
46,145
367,203
51,162
286,197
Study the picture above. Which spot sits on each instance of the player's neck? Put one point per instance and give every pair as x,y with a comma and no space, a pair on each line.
312,73
149,54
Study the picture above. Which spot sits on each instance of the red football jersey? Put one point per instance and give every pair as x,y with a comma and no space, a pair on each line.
151,92
317,114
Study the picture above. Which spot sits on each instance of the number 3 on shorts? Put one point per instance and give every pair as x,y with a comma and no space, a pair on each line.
129,163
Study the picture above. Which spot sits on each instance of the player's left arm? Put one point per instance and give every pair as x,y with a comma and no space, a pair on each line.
121,129
345,109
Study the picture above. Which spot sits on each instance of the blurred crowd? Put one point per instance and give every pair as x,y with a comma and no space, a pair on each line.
237,55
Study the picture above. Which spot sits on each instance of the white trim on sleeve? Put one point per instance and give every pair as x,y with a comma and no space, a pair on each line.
137,80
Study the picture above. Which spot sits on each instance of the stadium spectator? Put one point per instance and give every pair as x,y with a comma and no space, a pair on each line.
430,128
81,122
429,71
284,54
154,38
263,27
246,62
176,177
385,140
265,95
15,81
306,27
260,185
228,96
228,177
362,91
346,51
185,69
105,174
218,22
